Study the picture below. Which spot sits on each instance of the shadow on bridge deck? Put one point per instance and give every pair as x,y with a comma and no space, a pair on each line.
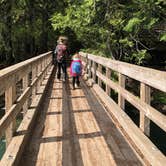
73,128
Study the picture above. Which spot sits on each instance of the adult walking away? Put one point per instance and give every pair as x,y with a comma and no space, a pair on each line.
61,54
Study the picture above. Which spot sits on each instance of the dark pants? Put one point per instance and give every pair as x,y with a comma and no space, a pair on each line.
76,80
61,65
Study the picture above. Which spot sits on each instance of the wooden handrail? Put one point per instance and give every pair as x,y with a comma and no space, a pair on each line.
148,78
38,67
151,77
13,74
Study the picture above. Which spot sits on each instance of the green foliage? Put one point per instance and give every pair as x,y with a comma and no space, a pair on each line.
163,37
132,24
139,56
124,30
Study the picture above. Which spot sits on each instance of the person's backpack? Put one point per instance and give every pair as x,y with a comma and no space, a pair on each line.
76,68
61,51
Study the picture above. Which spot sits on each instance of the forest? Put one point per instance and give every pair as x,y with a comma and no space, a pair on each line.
132,31
126,30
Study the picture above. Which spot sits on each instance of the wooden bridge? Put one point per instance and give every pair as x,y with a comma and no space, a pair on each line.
79,127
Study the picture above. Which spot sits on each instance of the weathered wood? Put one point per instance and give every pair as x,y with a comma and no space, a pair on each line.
16,108
89,68
142,144
108,75
76,134
145,97
149,111
99,70
11,75
94,73
13,153
151,77
121,100
10,96
25,85
34,75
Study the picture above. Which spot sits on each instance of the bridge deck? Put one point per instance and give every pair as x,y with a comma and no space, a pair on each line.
73,128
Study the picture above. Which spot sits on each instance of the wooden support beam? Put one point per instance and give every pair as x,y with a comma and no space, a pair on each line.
34,74
89,68
25,85
100,70
108,74
145,97
10,97
94,71
121,99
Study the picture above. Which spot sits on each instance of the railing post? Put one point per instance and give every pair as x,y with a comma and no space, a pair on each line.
121,100
108,74
94,71
89,68
10,97
146,97
100,70
34,74
86,64
25,85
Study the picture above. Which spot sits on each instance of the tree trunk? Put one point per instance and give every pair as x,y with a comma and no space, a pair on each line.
7,32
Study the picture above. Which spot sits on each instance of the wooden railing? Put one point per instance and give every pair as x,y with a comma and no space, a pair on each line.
31,74
98,71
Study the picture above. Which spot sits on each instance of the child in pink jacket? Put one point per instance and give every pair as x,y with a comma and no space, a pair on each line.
76,70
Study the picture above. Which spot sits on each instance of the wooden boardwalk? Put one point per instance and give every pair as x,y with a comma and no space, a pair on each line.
74,129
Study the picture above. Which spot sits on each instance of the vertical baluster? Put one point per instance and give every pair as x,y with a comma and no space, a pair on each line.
100,70
34,74
94,71
89,68
144,121
86,64
10,97
108,74
25,85
121,100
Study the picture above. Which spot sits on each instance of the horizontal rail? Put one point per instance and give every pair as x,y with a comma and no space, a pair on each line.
149,151
13,74
149,111
98,70
29,75
16,108
151,77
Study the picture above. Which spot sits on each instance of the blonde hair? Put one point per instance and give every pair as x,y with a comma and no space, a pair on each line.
76,56
62,40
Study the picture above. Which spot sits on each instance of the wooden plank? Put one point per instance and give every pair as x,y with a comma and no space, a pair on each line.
16,108
149,111
34,76
25,85
108,75
74,129
121,100
151,77
14,151
89,69
144,146
94,73
10,96
100,71
13,74
145,97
